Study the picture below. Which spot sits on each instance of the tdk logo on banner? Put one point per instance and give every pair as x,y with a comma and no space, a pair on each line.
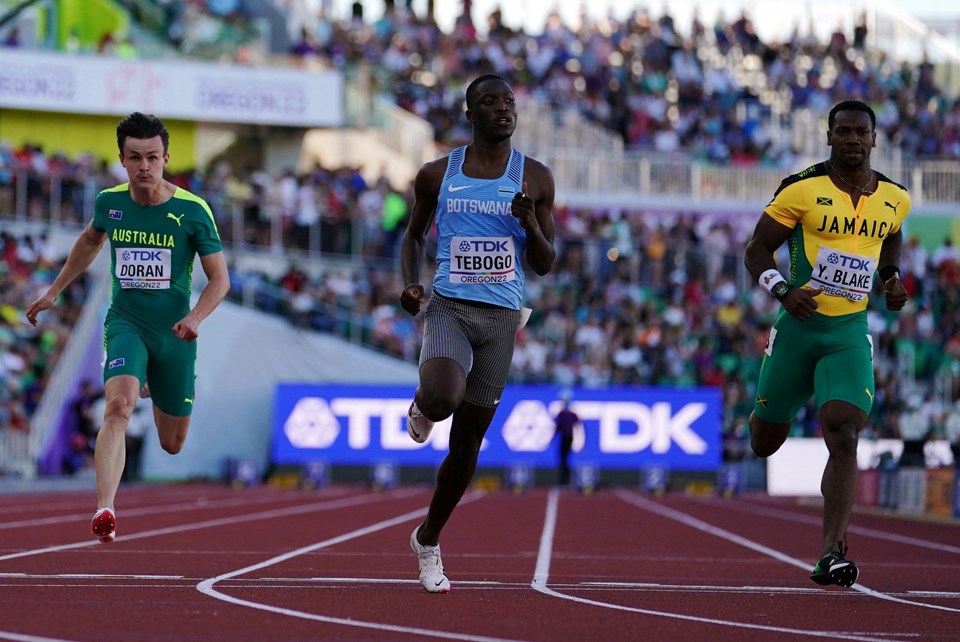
624,427
621,427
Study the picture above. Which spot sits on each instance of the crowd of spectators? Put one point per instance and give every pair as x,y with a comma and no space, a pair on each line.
670,310
709,88
637,297
28,354
706,87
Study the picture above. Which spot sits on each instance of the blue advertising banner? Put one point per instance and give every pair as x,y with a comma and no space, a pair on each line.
621,427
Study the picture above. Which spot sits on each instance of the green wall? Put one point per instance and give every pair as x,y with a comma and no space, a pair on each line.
91,19
76,134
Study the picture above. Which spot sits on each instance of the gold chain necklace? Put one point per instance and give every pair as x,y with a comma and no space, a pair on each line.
862,189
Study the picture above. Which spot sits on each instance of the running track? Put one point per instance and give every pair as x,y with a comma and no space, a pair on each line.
211,563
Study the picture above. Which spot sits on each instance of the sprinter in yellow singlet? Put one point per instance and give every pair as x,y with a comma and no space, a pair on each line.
842,220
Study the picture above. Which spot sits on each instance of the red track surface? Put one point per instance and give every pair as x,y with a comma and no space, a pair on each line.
205,562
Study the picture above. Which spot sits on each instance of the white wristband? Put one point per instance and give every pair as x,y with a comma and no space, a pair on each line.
770,278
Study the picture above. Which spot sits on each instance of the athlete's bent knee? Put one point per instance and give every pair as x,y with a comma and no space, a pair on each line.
172,445
118,410
761,448
438,407
766,438
842,440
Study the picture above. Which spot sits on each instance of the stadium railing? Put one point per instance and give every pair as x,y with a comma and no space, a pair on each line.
583,178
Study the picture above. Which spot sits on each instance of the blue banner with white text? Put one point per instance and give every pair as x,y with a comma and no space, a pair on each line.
621,427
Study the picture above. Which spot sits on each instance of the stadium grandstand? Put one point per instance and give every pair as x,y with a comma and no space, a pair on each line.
302,125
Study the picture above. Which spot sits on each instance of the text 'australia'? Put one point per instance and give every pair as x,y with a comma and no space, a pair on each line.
143,238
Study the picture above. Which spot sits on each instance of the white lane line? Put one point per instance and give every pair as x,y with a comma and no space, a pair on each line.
545,553
693,522
17,637
226,521
196,504
542,574
92,576
375,581
802,518
207,586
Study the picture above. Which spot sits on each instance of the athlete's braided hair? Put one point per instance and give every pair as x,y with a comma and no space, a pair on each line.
142,126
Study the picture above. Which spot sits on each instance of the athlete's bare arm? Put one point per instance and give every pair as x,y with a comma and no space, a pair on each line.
84,250
893,290
767,238
533,207
426,190
218,284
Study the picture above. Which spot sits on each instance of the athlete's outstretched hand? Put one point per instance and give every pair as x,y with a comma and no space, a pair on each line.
801,302
412,298
895,293
38,306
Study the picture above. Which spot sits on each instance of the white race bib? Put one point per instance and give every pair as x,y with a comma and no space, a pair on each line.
849,276
482,260
139,268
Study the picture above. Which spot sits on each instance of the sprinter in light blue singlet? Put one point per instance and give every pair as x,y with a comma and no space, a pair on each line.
494,210
480,243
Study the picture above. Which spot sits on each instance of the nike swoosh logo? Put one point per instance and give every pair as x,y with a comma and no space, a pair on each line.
415,433
438,583
457,188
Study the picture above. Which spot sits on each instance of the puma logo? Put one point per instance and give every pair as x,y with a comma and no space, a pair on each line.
893,207
177,218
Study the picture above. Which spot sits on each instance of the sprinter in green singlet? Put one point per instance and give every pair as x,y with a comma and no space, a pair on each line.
155,230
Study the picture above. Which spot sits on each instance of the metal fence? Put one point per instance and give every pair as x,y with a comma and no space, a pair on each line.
616,180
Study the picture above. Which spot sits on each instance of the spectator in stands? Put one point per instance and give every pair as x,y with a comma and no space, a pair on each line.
86,425
951,426
12,39
133,439
914,430
565,423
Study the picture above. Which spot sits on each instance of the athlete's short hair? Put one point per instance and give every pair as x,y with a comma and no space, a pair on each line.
473,89
142,126
851,105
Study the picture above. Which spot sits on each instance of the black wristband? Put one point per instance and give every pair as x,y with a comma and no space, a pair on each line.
780,290
887,271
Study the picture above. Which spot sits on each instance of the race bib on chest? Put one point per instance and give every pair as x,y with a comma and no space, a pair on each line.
482,260
143,268
849,276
